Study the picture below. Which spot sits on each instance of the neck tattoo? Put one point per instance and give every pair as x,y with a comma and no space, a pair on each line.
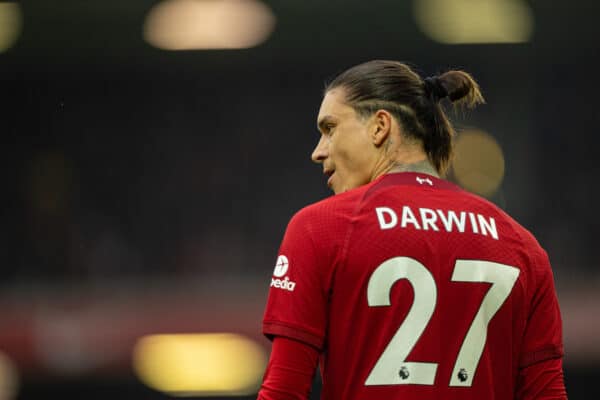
424,167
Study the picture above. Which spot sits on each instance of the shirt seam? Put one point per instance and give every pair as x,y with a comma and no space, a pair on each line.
295,327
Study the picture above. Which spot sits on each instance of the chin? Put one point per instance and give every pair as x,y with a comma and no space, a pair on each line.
339,191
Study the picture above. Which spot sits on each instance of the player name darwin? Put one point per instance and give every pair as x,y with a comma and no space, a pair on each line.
436,220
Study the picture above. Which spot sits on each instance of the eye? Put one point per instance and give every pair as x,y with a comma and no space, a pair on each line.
329,128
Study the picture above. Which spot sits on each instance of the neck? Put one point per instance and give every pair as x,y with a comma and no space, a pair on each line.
423,166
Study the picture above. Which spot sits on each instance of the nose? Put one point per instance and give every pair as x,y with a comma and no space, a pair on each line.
320,152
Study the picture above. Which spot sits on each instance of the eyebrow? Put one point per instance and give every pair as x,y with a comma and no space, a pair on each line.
324,121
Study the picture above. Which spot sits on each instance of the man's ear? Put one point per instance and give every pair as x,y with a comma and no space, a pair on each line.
382,127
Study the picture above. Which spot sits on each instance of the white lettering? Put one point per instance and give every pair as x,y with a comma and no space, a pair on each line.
473,223
453,219
487,226
381,213
285,284
428,218
409,218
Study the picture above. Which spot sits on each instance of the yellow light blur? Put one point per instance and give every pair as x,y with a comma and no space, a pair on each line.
9,379
208,24
475,21
216,364
478,163
10,25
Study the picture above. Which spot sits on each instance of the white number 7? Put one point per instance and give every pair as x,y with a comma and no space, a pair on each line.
392,368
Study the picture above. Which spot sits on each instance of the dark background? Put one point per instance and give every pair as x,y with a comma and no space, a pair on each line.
153,187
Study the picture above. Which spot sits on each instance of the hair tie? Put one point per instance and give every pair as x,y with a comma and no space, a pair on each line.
434,88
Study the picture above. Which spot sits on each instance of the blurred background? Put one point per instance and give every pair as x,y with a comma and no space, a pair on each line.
153,152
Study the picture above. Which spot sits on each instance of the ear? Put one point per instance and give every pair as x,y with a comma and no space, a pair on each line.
381,128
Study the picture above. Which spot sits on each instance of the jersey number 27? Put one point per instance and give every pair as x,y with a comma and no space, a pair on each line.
392,368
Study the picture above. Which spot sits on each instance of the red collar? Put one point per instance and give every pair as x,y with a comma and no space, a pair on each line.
414,179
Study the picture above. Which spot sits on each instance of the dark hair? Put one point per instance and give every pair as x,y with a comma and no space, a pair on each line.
414,102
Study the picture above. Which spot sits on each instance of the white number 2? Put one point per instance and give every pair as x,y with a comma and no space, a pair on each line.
392,368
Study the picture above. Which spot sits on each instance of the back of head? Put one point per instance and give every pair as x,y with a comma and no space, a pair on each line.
413,101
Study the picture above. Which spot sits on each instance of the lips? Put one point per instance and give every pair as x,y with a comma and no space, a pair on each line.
329,173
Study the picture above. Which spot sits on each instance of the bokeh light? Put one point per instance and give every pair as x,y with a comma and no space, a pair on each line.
480,21
9,379
200,364
11,22
478,165
208,24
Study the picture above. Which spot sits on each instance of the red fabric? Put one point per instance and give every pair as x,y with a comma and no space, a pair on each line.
332,250
542,381
290,371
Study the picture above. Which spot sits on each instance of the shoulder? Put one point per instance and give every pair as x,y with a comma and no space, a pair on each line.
526,238
327,218
333,208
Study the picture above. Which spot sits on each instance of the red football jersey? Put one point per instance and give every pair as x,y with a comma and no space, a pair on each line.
412,288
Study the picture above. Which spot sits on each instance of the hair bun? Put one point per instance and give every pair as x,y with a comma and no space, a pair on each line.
461,88
434,88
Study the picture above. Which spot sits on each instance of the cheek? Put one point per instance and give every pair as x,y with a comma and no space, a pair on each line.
356,156
353,165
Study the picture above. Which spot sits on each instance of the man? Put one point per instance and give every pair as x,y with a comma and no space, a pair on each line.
403,285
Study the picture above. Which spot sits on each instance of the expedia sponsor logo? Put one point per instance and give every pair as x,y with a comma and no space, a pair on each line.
283,284
281,268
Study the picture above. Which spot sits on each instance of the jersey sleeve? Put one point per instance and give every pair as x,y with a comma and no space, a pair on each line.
542,381
290,371
543,333
298,295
